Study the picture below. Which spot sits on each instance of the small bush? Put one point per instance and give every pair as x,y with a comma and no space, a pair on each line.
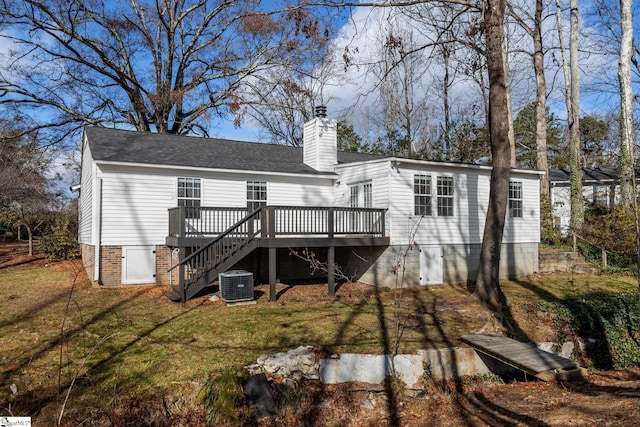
59,241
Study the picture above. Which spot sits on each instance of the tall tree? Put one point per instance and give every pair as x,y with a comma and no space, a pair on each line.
155,65
534,30
628,199
25,191
527,133
491,27
572,97
627,131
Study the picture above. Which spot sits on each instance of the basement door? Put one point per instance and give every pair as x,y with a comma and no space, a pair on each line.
431,265
138,265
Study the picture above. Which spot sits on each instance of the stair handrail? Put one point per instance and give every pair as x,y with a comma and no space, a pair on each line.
604,252
222,235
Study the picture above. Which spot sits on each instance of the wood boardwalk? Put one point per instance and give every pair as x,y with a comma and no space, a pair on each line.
524,356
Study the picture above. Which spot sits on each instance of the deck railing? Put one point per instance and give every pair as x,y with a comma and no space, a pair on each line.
279,221
202,221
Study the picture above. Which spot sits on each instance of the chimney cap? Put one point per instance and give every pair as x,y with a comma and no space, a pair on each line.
321,111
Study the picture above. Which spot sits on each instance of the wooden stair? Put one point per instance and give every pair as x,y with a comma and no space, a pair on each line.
217,256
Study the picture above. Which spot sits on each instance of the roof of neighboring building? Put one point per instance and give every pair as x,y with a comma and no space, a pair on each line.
125,146
589,175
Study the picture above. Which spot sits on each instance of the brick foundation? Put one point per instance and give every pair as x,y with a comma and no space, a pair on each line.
111,265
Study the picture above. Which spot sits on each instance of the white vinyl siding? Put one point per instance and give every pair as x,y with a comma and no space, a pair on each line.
469,202
86,209
136,200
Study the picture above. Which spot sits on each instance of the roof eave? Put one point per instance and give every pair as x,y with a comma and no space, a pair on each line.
194,168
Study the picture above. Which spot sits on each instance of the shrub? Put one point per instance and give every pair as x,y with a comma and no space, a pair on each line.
609,324
613,230
58,241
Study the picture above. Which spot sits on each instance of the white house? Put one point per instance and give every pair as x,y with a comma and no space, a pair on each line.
599,187
150,202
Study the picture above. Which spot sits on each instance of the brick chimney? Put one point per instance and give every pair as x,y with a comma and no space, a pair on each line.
320,141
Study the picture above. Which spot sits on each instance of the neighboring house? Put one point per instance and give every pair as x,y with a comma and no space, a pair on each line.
149,202
599,186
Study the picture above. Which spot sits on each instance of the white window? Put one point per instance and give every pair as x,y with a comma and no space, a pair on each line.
367,195
256,195
353,196
422,195
361,195
189,195
445,195
515,199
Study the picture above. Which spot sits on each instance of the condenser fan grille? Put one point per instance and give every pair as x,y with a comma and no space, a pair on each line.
236,285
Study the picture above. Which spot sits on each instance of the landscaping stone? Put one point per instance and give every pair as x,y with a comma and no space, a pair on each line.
296,364
365,368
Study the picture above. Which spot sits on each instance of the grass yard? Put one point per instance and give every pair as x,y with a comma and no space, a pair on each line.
115,349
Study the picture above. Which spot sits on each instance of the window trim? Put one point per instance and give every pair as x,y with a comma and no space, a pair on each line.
252,203
427,195
183,200
450,198
513,187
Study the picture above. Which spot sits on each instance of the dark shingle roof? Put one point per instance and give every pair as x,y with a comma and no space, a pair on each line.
588,175
115,145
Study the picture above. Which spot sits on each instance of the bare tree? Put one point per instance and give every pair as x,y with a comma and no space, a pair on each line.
627,191
168,66
534,30
490,25
572,96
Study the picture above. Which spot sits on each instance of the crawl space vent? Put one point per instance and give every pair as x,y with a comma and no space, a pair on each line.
236,285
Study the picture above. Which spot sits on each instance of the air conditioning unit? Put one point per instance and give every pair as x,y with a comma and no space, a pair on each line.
236,285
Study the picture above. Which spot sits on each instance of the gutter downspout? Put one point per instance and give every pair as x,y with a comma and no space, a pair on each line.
98,233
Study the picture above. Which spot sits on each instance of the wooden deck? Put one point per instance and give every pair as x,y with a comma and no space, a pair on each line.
524,356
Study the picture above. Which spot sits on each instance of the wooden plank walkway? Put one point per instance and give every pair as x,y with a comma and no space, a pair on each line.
524,356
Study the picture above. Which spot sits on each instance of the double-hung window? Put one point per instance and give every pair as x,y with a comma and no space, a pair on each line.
256,195
515,199
422,195
445,196
189,196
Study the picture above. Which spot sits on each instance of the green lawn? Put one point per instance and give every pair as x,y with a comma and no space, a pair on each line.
55,328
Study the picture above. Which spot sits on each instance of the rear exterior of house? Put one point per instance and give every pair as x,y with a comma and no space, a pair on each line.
425,219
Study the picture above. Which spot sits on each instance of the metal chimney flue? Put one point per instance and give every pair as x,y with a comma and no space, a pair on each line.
321,111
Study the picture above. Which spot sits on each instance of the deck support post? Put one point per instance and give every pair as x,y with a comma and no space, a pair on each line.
331,270
272,274
183,288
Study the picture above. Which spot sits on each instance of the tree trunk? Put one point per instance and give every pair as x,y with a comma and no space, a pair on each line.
572,93
625,165
541,101
488,279
628,199
30,234
575,165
